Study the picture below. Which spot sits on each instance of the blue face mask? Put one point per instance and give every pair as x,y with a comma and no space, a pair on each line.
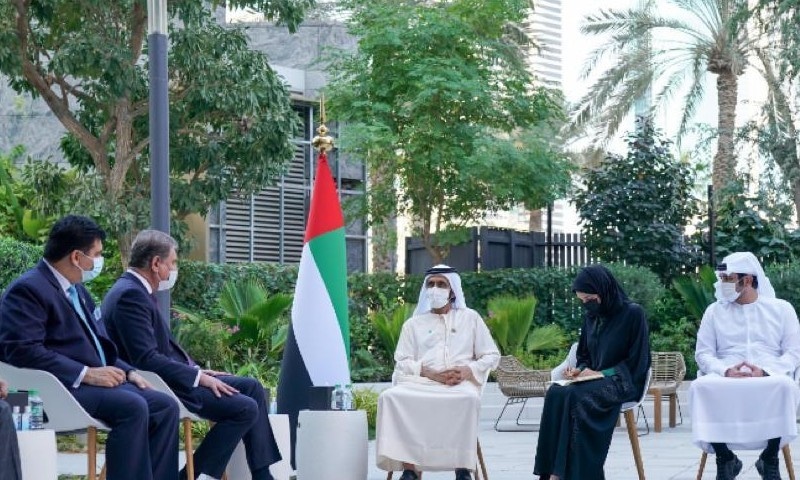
89,275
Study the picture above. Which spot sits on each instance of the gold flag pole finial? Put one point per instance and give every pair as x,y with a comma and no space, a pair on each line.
322,142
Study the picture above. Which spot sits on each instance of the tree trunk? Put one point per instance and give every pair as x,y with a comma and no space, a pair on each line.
723,170
535,220
384,245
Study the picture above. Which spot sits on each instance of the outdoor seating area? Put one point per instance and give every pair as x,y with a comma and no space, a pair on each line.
519,384
669,369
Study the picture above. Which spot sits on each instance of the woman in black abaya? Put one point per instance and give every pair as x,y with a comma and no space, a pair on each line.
578,419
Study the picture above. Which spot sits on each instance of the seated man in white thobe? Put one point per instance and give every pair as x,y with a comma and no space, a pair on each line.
748,347
428,421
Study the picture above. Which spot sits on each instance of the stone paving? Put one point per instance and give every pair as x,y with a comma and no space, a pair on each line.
668,455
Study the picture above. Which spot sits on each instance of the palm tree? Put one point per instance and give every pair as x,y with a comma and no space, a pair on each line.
702,36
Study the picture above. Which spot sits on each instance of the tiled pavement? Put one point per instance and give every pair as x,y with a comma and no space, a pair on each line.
668,455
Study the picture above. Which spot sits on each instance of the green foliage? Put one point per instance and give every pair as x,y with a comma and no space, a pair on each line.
255,315
545,339
206,340
755,222
697,291
674,328
785,279
678,335
367,399
231,119
509,319
367,367
200,284
389,324
634,208
15,258
439,104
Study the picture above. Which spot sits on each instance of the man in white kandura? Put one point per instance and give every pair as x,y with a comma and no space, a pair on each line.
748,347
428,421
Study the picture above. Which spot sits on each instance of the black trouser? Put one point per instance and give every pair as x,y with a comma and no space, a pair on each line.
769,454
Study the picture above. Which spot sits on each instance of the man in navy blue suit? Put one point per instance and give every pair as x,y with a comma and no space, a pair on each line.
237,405
49,322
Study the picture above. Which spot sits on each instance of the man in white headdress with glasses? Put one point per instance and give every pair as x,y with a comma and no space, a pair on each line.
428,421
748,348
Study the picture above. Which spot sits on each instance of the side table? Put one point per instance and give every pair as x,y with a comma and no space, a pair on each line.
38,454
332,444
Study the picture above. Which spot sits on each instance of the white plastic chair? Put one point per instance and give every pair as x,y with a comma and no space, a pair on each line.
787,453
186,417
630,422
64,413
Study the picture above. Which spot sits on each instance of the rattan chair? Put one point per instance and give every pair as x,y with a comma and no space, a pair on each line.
519,383
669,369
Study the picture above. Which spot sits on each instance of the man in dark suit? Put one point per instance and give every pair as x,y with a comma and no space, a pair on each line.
237,405
10,468
48,321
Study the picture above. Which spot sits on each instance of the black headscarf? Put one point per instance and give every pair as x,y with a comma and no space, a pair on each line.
598,280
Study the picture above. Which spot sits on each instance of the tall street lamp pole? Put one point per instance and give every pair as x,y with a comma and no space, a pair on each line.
159,125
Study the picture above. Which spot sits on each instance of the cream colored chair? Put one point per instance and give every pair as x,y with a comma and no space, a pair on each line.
787,453
669,369
519,383
64,413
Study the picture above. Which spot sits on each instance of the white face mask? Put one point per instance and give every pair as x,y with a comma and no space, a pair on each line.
727,292
439,297
89,275
169,282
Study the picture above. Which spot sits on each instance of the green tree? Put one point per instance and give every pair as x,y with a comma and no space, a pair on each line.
230,116
634,208
703,36
438,102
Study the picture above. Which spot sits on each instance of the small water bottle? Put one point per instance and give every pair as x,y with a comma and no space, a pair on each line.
347,395
36,409
16,417
25,420
337,397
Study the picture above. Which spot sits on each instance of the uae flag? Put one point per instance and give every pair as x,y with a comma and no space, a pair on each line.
318,343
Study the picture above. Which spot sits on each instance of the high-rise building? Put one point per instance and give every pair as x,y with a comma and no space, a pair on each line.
545,59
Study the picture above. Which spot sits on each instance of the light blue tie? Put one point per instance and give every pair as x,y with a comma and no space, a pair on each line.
73,296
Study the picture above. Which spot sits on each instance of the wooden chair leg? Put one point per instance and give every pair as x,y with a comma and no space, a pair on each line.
787,457
482,464
673,407
630,421
389,476
103,472
187,440
657,409
703,459
91,453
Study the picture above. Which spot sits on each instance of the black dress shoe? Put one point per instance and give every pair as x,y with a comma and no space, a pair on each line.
409,475
728,470
463,474
768,470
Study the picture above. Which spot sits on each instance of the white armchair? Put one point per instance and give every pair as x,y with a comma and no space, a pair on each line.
64,413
